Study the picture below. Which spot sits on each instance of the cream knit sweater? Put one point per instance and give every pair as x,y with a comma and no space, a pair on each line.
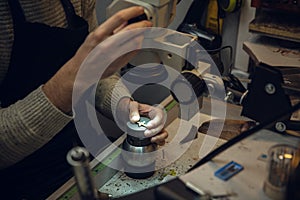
33,121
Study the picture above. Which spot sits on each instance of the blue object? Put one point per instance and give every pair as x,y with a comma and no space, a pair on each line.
228,170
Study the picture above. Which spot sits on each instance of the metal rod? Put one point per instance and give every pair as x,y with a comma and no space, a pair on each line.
78,158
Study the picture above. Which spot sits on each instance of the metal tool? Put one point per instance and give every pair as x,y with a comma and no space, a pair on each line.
78,158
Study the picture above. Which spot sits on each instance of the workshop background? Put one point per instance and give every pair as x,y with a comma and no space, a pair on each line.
235,30
241,31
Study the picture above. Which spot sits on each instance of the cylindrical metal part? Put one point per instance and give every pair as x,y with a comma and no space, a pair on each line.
282,161
78,158
139,152
189,85
138,156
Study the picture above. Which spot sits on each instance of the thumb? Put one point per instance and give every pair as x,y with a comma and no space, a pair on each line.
134,115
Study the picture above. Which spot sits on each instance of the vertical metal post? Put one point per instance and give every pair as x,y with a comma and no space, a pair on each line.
78,158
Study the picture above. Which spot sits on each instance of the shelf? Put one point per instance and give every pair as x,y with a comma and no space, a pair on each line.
277,25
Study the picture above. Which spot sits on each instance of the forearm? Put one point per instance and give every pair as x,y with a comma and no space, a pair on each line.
59,88
27,125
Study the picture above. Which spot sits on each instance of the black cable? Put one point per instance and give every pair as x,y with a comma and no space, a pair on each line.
218,17
222,48
244,135
219,51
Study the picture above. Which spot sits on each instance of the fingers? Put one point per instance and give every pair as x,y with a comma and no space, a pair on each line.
140,24
120,28
114,24
153,131
157,117
155,125
156,121
134,115
160,138
125,26
121,17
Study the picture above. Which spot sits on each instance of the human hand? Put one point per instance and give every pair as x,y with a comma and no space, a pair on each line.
60,87
155,127
115,24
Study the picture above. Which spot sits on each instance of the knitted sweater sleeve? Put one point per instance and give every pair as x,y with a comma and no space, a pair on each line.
33,121
108,94
89,13
27,125
110,90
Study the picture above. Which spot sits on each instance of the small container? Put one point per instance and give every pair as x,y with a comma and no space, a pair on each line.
282,161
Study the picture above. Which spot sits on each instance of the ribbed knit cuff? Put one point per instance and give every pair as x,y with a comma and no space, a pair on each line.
40,115
110,105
